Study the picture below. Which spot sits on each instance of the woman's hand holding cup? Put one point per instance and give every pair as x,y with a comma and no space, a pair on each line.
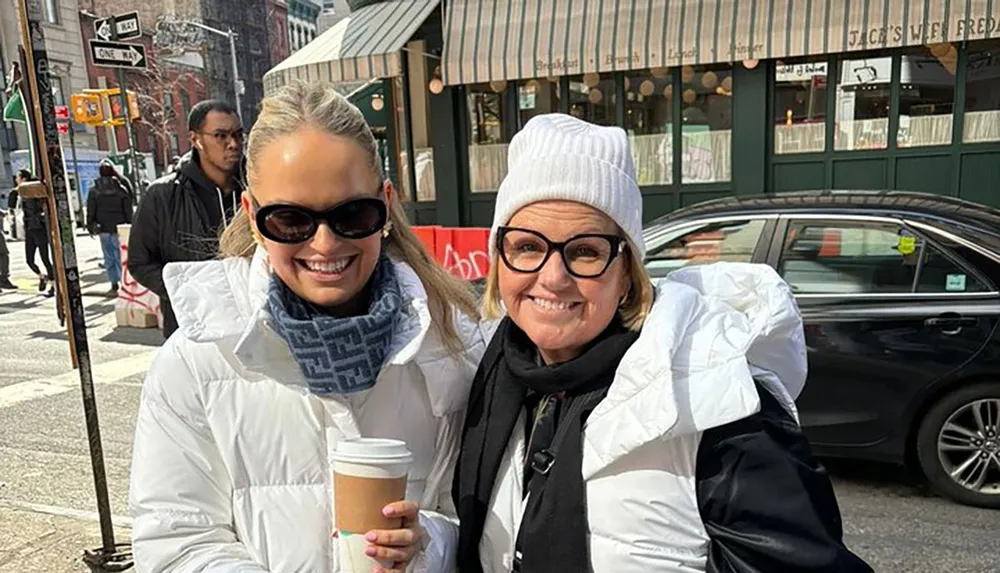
399,546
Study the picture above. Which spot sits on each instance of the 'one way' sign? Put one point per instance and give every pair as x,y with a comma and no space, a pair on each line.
127,26
117,54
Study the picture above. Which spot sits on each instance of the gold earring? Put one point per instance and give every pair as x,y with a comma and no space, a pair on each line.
386,229
257,237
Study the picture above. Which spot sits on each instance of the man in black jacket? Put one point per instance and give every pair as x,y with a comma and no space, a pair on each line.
109,205
181,215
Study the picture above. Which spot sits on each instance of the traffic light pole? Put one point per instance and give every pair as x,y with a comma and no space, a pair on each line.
76,177
126,112
231,36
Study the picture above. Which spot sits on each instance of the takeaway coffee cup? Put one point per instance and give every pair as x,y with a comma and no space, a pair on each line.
368,474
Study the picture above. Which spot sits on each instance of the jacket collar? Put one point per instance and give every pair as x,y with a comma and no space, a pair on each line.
189,166
225,302
712,331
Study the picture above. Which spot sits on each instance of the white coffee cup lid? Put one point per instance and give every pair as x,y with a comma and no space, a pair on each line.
372,451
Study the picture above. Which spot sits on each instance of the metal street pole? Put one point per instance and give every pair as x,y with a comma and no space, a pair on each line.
236,73
231,35
126,110
110,556
76,177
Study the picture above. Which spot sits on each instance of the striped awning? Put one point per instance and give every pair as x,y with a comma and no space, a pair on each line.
517,39
362,46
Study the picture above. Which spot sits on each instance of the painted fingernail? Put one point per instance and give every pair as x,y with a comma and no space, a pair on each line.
371,536
370,552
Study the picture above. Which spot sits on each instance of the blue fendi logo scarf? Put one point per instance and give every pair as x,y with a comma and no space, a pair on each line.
339,355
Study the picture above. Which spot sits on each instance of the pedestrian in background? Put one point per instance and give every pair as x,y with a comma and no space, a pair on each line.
109,205
614,428
181,215
325,320
36,236
4,198
12,204
4,256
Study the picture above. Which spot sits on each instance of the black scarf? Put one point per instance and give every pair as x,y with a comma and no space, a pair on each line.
553,533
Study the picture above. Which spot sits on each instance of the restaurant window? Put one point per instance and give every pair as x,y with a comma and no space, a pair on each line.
927,95
593,98
982,93
800,107
536,97
862,103
649,123
488,128
420,121
707,123
400,119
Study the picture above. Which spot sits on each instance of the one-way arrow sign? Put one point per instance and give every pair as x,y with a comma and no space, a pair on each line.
118,55
127,25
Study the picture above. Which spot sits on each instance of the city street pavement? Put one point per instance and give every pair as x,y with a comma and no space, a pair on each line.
47,502
47,507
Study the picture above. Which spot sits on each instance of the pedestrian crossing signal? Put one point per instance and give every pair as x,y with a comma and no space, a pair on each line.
87,109
118,113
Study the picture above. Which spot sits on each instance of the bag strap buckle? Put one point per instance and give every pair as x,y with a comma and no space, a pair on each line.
541,462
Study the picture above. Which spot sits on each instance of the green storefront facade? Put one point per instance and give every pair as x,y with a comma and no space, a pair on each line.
718,97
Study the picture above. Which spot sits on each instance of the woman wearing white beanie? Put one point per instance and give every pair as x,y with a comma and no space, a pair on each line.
614,427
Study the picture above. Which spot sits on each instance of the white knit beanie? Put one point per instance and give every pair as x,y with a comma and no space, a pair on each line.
557,157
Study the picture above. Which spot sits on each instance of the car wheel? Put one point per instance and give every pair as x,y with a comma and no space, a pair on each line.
958,445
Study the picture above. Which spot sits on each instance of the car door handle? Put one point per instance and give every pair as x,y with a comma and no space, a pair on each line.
951,321
951,324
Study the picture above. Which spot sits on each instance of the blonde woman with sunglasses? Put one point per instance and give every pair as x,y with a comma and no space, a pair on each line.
325,320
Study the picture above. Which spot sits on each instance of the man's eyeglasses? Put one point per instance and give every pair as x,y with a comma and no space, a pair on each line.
585,256
224,137
292,224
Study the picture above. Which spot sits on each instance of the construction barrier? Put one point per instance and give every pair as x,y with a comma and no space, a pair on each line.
137,306
463,251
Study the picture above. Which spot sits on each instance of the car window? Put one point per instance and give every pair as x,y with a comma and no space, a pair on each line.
940,274
732,241
841,257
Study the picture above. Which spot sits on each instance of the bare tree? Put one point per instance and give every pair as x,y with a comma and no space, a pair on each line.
166,76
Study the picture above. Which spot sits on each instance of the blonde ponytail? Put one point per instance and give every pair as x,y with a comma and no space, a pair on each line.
237,238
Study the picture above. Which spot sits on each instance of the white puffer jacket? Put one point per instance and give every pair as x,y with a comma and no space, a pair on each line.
712,331
231,472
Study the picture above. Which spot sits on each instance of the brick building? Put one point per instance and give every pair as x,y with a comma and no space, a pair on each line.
167,90
277,26
255,45
66,59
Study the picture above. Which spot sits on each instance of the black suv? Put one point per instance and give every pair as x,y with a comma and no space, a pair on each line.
900,295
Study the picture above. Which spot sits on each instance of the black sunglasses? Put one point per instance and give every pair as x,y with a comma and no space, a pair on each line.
585,256
291,224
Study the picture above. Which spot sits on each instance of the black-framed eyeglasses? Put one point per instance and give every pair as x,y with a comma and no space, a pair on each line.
585,256
292,224
223,137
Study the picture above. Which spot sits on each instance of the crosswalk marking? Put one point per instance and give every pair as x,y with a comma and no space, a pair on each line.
110,372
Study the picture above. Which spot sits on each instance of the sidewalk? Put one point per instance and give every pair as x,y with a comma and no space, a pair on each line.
93,281
32,542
